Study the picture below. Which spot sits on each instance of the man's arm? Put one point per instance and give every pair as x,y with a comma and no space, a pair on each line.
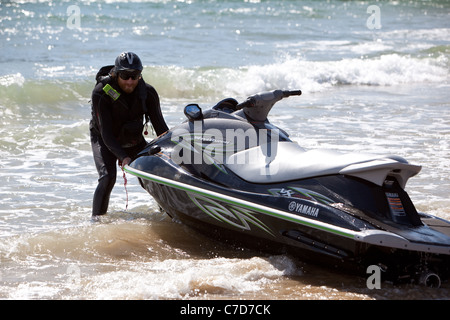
154,107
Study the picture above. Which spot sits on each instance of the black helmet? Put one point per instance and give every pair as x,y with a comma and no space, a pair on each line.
128,61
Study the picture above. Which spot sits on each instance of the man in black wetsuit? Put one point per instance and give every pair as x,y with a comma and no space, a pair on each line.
121,101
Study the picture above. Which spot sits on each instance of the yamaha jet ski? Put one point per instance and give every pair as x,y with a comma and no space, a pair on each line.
230,173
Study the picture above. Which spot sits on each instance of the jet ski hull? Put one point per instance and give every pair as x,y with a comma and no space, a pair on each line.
226,174
302,222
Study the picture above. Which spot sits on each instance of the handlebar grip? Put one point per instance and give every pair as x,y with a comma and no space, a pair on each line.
289,93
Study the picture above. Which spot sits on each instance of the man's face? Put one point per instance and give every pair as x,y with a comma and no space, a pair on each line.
128,80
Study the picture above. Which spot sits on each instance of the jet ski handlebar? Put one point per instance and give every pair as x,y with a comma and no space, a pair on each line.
267,98
258,106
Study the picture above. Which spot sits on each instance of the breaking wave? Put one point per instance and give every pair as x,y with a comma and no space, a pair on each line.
292,73
175,82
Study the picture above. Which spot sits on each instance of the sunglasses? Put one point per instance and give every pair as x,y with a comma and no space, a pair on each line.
125,75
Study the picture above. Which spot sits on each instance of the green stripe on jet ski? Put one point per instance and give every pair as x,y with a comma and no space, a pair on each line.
262,209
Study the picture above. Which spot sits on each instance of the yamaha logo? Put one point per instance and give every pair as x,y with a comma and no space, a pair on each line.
302,208
292,205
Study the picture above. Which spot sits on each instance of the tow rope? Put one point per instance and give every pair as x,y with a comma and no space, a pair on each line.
125,181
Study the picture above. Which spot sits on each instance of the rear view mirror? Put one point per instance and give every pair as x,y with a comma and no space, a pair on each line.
193,112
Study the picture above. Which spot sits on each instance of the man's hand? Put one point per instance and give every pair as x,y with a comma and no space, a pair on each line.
125,161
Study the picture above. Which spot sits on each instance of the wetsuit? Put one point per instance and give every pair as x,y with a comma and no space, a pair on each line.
116,131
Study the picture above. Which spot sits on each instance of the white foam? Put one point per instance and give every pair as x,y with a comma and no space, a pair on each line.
386,70
184,278
11,79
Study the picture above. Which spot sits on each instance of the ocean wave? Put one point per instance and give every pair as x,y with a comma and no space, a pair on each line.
294,73
18,92
177,82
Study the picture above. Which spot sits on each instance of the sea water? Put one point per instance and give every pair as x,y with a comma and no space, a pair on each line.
374,76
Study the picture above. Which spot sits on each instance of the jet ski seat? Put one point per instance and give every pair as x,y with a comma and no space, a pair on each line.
288,161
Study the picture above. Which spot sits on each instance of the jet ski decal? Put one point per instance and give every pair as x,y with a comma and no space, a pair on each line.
301,193
234,215
395,204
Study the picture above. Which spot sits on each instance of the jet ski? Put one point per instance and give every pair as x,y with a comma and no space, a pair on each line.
230,173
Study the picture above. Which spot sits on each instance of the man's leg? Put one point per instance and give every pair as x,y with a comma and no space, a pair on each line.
105,163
